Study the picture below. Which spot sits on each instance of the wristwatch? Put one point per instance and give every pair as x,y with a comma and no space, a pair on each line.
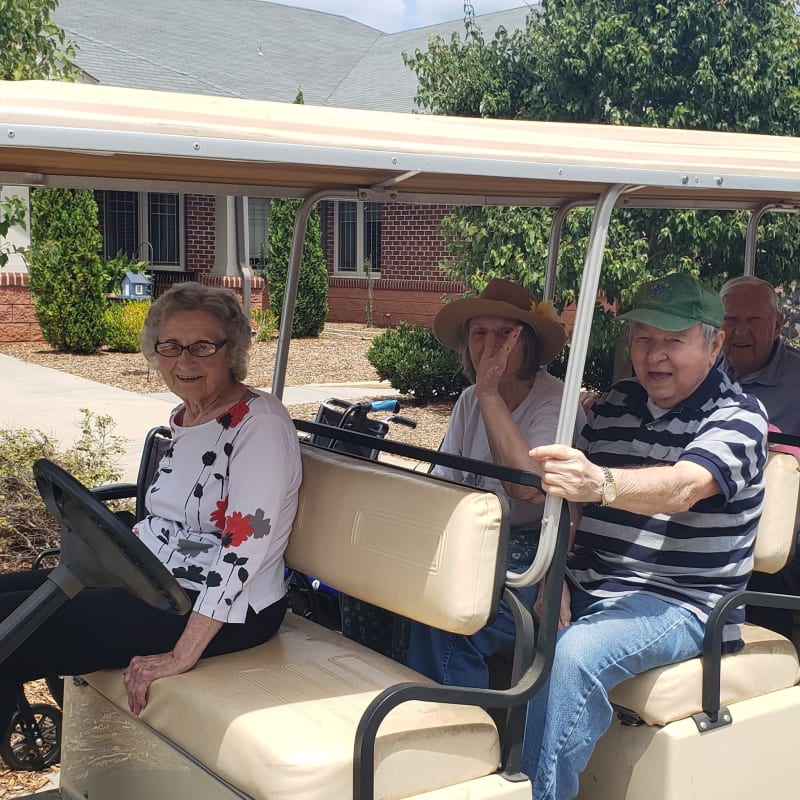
609,492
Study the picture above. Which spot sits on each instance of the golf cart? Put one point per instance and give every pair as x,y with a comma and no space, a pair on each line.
311,714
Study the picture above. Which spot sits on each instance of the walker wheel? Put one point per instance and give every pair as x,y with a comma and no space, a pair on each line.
35,744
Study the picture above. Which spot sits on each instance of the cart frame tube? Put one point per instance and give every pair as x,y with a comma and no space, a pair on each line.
565,430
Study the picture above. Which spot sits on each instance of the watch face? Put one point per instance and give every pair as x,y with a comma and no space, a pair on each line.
609,487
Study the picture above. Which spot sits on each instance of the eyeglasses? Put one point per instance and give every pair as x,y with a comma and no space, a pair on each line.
201,349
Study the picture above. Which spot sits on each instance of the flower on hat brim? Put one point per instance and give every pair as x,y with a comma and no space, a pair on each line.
544,308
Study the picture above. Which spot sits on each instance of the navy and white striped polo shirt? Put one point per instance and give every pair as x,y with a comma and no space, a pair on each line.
691,558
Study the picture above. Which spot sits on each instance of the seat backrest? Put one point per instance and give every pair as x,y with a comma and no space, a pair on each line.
156,443
430,550
777,528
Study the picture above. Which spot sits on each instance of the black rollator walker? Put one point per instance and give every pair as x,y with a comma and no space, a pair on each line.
33,739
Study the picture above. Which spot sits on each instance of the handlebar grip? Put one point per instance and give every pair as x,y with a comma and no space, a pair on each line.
384,405
409,423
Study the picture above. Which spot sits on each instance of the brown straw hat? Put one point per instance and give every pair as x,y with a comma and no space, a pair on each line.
502,298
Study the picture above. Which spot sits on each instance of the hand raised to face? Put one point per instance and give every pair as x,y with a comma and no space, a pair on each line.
495,353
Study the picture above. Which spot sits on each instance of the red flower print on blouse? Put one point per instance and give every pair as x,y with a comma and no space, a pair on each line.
218,516
234,415
237,529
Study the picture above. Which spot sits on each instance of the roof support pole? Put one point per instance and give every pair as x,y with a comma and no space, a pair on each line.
554,243
292,279
573,379
242,256
751,237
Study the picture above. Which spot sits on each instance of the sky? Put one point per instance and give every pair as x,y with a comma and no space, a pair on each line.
391,16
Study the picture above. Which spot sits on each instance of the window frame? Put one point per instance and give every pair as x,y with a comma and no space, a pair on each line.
361,211
143,252
256,262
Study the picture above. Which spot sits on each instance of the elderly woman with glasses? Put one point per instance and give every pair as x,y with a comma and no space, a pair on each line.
220,510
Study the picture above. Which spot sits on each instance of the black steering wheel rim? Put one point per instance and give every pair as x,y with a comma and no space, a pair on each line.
99,548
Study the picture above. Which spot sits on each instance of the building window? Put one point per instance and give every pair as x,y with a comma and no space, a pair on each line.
258,230
163,218
121,223
145,227
357,238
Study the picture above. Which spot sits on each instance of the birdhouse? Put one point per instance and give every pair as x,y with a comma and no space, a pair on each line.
135,286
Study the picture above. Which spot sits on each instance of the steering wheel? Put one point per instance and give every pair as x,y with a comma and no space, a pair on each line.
97,550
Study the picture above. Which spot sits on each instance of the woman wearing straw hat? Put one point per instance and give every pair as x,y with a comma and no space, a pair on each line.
505,338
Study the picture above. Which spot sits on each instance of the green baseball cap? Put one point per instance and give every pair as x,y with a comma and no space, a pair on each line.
674,303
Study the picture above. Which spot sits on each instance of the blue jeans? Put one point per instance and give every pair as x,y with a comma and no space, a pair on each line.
608,641
459,660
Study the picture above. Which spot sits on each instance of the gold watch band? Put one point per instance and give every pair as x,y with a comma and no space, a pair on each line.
608,493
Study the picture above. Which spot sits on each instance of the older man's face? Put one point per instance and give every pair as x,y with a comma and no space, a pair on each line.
670,365
751,327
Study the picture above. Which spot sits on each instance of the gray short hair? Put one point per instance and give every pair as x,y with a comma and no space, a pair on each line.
709,334
751,282
220,303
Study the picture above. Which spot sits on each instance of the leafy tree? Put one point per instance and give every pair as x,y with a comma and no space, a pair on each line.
312,288
65,270
31,46
700,64
12,212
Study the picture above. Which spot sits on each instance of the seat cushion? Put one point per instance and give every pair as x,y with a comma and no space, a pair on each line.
279,720
778,524
767,662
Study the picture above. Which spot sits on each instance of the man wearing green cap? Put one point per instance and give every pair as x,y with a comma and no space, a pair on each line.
669,472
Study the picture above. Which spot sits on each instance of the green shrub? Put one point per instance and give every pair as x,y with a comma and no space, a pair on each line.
265,325
312,288
114,269
65,271
414,362
26,528
124,321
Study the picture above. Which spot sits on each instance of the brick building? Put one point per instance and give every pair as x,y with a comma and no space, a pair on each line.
335,61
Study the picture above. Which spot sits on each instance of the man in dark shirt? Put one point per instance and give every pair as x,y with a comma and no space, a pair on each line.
765,367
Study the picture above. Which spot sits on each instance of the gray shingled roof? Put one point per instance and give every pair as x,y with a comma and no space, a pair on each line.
380,80
251,48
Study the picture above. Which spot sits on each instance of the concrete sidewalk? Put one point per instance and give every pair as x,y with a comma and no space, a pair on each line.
51,401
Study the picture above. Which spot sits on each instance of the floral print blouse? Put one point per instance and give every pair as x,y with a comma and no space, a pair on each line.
222,503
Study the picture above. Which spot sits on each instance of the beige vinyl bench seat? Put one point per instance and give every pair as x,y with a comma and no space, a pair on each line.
279,720
767,664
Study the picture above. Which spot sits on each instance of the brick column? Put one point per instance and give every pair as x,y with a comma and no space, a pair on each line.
17,318
259,292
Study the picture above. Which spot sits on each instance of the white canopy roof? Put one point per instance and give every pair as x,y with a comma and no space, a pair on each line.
63,134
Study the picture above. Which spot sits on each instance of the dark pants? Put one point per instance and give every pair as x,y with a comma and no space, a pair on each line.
785,581
104,629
